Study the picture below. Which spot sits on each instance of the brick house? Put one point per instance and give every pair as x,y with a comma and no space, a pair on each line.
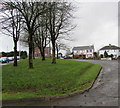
0,54
47,52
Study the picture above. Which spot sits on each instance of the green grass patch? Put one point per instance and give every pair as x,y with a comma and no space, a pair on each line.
46,79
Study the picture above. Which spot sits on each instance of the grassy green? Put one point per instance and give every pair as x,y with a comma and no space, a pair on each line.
46,79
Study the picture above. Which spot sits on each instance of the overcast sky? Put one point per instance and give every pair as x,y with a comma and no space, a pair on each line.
97,24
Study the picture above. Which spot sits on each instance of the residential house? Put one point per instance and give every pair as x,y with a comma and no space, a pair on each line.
84,51
110,49
47,52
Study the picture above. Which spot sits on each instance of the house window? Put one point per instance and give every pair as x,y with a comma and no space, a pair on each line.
90,50
90,55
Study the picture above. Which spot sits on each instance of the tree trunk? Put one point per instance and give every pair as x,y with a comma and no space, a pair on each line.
49,50
30,51
57,50
15,53
42,51
33,51
33,54
43,54
73,56
57,53
53,53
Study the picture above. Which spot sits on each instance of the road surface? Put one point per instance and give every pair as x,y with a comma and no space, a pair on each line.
103,93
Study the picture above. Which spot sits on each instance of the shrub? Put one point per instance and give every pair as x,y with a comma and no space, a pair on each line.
105,54
101,56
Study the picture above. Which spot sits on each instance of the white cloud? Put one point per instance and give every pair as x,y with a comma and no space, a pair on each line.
97,23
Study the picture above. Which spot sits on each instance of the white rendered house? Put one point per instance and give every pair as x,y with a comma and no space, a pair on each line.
110,49
87,51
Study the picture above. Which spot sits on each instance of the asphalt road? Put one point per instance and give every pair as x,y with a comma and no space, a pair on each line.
103,93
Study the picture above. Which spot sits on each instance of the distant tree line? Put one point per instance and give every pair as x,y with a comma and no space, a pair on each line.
22,54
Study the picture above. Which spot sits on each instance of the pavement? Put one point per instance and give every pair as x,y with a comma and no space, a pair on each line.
103,93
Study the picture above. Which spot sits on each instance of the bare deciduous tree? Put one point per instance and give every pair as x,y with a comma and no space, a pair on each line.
55,20
58,21
41,37
11,21
30,11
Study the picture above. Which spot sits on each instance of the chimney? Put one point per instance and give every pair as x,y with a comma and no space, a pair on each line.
109,45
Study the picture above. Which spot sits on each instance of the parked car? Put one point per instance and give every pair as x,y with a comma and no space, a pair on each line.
4,60
61,58
18,57
11,58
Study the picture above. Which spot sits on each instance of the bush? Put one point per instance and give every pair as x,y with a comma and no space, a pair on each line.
101,56
111,55
23,54
105,54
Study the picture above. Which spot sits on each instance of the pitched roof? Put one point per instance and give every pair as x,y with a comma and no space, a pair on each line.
109,47
83,47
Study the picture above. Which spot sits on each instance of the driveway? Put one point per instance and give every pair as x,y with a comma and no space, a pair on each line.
103,93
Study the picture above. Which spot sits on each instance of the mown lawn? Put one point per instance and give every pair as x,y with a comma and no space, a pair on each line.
46,79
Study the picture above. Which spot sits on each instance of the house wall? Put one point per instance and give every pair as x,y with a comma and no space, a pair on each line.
37,52
87,52
0,55
115,53
47,52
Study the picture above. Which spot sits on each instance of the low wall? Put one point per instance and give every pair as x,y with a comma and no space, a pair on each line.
106,58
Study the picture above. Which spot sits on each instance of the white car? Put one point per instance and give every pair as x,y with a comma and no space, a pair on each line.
11,58
61,58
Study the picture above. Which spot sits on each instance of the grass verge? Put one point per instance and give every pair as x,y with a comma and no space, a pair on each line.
46,79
